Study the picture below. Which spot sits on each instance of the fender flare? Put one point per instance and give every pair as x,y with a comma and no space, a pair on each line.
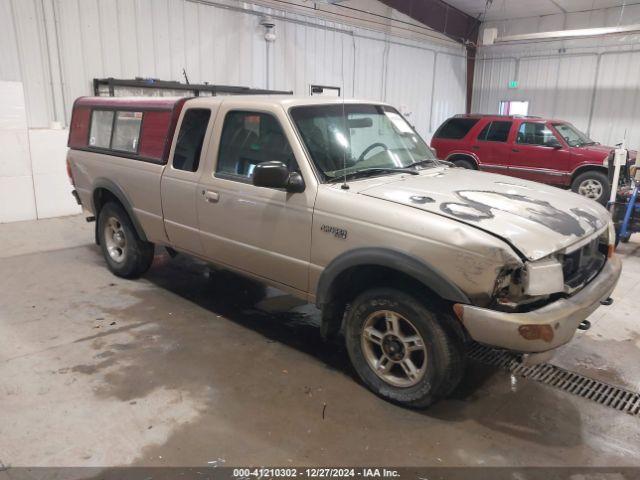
117,192
394,259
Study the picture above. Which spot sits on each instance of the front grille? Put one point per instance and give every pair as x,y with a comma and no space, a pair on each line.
581,266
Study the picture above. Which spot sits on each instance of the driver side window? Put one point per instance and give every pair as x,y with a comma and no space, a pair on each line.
250,138
534,133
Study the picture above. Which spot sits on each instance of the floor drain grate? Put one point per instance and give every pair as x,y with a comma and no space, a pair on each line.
608,395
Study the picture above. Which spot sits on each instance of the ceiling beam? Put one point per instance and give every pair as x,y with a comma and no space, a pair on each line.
441,17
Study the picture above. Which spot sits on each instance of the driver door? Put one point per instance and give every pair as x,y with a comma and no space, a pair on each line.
262,231
534,158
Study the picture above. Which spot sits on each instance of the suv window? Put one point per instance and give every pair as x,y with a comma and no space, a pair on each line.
456,128
495,132
190,139
533,133
250,138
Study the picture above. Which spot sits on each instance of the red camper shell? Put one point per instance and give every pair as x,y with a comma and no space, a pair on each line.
135,127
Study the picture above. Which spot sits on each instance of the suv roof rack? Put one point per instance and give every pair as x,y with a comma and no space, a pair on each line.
462,115
197,88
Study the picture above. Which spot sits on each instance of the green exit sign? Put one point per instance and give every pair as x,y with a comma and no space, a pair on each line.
513,84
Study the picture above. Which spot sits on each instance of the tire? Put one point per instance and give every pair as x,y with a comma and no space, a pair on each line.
437,367
468,164
126,254
594,185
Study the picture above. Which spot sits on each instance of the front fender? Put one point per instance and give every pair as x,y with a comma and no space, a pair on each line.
426,274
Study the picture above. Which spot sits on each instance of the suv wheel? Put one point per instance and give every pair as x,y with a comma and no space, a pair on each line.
468,164
126,254
400,349
592,184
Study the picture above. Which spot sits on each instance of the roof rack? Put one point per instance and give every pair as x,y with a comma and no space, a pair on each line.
462,115
197,88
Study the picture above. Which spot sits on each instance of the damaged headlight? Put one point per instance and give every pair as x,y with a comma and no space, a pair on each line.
543,277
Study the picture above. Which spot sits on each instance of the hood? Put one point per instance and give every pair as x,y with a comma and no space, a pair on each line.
599,152
536,219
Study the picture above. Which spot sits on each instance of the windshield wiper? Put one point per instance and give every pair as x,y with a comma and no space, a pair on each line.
423,162
372,171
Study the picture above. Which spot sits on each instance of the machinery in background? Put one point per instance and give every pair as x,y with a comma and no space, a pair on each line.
623,203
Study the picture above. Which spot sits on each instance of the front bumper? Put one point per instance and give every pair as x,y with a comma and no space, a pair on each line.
545,328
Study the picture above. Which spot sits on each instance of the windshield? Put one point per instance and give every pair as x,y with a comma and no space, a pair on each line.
573,136
369,138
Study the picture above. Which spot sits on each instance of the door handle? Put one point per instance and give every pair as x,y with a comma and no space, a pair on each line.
475,147
211,196
515,150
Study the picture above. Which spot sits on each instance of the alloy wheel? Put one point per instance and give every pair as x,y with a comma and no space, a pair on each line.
393,348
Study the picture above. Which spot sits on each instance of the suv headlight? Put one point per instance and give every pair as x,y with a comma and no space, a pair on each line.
543,277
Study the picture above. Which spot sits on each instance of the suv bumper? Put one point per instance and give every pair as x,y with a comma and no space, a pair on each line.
545,328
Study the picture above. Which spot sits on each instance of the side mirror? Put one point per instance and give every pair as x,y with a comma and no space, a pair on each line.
553,143
277,175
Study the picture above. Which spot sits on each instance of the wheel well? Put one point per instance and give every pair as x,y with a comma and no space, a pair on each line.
355,280
102,196
587,168
461,156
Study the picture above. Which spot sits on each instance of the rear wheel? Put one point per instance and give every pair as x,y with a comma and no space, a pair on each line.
592,184
126,254
400,349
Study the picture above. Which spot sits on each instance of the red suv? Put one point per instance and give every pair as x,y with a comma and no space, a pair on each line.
547,151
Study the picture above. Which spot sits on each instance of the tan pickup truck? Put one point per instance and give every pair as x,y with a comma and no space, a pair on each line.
344,205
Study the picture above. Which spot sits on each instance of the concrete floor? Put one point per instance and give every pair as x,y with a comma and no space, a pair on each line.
100,371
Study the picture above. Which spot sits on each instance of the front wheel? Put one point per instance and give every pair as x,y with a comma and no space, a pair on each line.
592,184
401,349
127,255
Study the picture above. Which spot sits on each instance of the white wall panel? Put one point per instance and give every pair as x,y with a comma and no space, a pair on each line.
450,89
370,61
574,90
616,112
491,82
17,200
410,77
9,60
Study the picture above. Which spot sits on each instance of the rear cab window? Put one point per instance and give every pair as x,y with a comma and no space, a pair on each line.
115,130
455,128
496,131
134,128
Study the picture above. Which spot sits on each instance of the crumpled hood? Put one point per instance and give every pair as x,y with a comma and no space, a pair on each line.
536,219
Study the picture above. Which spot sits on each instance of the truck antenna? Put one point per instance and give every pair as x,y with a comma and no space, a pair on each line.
184,74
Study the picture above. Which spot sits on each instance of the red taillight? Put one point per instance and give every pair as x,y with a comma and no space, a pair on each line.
70,173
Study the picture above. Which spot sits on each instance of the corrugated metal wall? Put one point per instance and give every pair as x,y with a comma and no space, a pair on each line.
56,47
594,83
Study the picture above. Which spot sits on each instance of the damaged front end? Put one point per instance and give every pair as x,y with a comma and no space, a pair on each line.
539,306
556,276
